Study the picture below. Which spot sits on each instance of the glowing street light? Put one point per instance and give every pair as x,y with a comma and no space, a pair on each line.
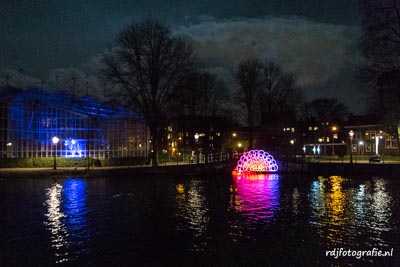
361,144
55,140
351,135
334,136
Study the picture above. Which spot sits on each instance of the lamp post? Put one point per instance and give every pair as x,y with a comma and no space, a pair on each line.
55,142
325,124
334,136
360,147
351,135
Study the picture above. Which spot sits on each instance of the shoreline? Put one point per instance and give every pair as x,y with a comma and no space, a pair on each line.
331,169
114,172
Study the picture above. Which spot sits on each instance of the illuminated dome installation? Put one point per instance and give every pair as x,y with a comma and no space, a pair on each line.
256,161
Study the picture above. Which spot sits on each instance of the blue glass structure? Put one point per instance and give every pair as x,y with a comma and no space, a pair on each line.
30,118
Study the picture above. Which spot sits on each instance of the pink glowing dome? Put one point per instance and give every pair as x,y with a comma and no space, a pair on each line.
256,161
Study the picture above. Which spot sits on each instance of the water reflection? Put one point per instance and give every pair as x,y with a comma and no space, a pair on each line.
74,207
339,207
55,223
375,206
256,198
192,212
381,205
66,218
295,201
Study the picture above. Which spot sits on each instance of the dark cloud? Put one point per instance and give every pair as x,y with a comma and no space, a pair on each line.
310,38
322,56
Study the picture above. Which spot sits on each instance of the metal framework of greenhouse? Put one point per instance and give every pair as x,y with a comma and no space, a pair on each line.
30,118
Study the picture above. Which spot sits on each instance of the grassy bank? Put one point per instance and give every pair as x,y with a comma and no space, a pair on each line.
69,162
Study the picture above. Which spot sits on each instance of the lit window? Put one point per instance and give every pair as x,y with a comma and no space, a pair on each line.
390,141
370,134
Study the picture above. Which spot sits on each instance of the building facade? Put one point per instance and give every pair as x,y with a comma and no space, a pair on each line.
369,137
30,119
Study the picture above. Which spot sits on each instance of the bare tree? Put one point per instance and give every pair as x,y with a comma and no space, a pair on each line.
279,95
202,94
202,98
149,64
250,79
380,43
212,94
381,47
326,110
381,33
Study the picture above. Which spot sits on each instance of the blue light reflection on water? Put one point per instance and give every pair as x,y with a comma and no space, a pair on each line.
75,203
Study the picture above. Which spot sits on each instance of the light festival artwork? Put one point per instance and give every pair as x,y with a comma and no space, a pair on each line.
74,148
256,161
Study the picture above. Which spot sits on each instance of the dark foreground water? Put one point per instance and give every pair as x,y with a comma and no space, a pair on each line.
262,220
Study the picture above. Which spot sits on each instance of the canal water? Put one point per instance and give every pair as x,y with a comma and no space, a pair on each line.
259,220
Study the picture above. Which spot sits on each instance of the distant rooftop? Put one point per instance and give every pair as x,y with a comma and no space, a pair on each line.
364,120
83,105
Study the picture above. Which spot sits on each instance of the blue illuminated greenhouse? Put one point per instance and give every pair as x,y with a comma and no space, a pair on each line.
29,119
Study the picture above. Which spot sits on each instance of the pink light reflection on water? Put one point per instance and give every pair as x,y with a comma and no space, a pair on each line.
256,198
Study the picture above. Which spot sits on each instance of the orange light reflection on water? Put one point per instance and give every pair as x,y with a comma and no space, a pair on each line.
192,212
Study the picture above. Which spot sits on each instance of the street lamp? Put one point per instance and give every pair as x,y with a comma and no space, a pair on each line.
325,124
351,135
55,142
361,149
334,136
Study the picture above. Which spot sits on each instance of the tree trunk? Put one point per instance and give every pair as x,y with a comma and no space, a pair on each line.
154,156
155,145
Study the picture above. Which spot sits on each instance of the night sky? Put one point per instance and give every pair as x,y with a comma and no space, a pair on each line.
316,40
